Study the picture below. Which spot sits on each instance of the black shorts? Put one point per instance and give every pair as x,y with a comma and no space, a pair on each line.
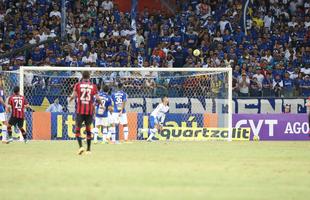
13,121
87,119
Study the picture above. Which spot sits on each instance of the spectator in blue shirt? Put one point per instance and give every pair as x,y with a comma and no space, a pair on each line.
37,56
267,86
288,86
305,86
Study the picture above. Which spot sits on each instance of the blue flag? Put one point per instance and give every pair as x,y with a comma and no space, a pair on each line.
134,8
247,10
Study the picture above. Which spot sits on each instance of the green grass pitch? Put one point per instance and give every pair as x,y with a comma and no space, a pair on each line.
162,170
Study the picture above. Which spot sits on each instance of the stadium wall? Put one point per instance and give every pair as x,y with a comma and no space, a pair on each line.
60,126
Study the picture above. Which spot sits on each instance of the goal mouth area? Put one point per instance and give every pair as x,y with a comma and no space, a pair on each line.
140,95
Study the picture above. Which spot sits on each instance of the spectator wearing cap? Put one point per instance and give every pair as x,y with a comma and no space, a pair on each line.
258,75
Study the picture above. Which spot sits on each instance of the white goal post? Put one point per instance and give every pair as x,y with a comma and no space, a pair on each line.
188,72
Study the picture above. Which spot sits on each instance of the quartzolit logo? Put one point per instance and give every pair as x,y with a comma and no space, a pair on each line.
190,133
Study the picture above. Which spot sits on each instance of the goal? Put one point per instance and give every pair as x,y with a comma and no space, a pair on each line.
200,98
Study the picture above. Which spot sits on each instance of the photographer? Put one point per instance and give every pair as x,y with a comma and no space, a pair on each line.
255,88
277,86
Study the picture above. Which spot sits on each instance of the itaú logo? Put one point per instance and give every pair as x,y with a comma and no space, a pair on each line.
256,126
297,128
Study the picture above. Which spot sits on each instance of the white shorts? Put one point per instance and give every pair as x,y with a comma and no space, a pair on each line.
120,119
104,121
2,117
101,121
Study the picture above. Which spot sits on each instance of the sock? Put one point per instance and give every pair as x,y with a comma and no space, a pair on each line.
109,133
78,137
88,141
23,132
88,137
95,131
125,133
113,135
4,132
104,134
9,131
116,132
152,133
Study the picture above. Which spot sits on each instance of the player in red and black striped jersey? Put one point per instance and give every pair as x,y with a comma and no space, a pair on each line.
16,104
83,92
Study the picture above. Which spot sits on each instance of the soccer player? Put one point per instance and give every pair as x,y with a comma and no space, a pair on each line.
103,115
2,114
84,92
119,99
157,118
16,104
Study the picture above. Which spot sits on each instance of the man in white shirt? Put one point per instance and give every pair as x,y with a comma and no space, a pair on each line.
54,107
223,23
107,5
55,12
139,38
305,70
244,83
268,20
259,76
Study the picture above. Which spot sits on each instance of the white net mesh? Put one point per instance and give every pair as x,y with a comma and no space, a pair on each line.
197,99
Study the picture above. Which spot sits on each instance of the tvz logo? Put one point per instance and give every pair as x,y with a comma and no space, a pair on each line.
257,127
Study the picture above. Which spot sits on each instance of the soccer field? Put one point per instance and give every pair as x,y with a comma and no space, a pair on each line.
184,170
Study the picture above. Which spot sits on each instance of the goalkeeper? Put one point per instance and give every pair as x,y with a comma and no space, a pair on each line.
157,118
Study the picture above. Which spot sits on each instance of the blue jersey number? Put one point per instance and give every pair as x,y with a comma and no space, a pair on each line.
101,107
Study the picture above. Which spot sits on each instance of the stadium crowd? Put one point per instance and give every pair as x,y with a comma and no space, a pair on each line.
272,59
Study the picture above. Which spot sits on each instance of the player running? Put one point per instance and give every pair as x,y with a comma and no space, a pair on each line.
2,114
119,99
16,104
157,118
103,116
83,92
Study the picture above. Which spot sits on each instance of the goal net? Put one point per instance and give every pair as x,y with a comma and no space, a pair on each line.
200,99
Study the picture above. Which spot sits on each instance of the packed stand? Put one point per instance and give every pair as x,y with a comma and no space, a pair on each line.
271,60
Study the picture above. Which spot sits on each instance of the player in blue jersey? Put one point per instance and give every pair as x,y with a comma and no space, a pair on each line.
119,99
2,114
103,116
